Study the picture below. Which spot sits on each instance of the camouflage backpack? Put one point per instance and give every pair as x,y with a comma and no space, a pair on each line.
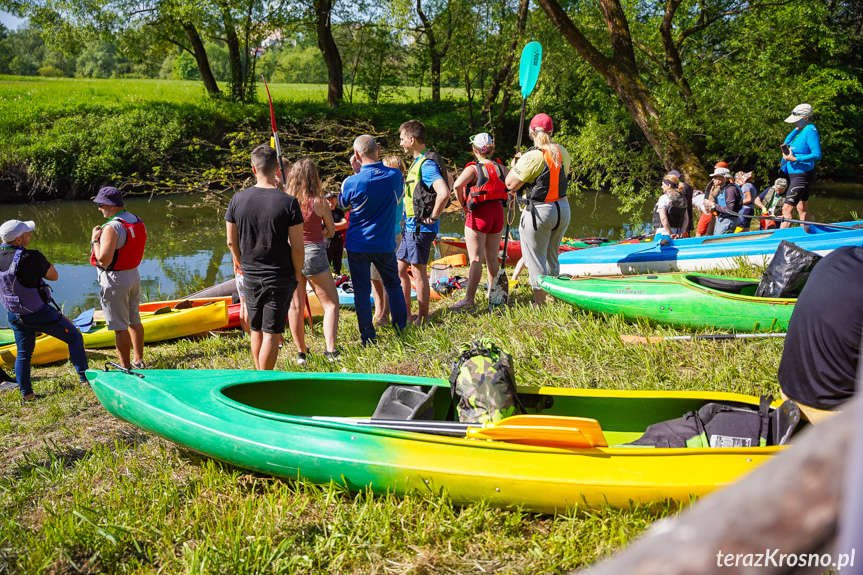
482,383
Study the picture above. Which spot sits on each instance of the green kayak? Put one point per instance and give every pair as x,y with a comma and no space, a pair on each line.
690,300
315,426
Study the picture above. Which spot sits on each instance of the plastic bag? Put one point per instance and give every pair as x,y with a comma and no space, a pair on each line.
787,273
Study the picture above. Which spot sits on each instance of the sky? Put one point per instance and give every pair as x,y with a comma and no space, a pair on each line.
10,21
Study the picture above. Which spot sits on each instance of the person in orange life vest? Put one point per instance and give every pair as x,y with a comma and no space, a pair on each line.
543,172
481,192
117,250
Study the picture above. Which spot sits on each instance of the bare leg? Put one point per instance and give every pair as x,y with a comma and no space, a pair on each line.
492,247
295,315
137,339
406,286
421,280
268,352
325,288
788,213
382,303
123,341
803,210
519,267
244,316
257,338
476,254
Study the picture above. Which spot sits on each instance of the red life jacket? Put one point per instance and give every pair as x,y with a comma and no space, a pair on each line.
489,185
130,255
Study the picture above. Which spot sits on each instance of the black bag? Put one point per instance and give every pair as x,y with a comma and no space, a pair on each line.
787,273
425,197
719,425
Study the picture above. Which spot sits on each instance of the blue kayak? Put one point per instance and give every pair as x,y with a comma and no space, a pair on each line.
705,253
346,299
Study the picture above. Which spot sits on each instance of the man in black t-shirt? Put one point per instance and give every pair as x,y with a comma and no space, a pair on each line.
818,370
26,298
265,234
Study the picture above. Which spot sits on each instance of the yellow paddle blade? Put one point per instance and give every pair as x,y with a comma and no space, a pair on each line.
639,339
545,430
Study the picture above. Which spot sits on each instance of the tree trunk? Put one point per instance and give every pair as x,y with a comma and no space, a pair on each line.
234,58
329,51
436,52
201,58
621,74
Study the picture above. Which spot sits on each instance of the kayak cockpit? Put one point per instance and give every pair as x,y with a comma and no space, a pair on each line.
725,285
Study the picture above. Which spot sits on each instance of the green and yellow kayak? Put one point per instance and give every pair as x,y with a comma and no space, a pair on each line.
312,425
157,327
689,300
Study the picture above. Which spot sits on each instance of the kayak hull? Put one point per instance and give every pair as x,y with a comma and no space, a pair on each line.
705,253
263,421
695,301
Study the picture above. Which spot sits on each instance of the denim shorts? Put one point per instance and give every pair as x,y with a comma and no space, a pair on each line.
416,247
316,261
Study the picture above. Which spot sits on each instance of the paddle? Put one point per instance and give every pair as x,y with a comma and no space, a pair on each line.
85,321
528,72
715,336
780,219
540,430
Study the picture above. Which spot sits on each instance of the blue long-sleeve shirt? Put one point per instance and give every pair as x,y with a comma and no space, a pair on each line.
805,144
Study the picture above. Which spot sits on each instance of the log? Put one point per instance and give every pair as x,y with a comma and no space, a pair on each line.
791,504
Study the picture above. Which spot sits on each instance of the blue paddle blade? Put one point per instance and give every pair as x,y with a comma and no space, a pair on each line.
528,72
84,321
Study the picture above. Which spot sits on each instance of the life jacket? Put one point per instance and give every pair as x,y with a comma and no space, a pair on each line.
421,197
722,200
676,211
130,255
550,185
489,185
17,298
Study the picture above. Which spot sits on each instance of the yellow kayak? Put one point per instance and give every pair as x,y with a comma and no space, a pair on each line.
157,327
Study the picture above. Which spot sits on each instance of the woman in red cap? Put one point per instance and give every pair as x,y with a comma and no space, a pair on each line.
540,179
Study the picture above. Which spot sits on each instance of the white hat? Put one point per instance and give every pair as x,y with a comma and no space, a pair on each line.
799,112
481,140
14,228
722,172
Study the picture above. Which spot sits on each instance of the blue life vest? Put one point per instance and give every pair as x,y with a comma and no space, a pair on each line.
17,298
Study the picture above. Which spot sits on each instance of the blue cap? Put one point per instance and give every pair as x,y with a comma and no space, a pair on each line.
110,196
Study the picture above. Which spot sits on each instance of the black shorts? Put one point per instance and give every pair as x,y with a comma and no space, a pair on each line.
268,300
798,187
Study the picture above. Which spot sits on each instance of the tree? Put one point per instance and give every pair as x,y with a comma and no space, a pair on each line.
437,42
322,10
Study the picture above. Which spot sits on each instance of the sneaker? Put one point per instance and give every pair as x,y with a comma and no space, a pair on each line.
32,398
333,355
139,365
301,359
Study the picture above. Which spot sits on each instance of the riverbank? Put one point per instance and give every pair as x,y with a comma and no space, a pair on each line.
82,491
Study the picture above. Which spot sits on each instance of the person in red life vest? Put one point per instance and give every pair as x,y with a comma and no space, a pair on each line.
481,191
118,248
29,306
540,177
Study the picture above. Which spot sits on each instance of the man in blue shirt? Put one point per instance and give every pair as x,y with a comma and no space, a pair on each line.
424,174
372,195
804,149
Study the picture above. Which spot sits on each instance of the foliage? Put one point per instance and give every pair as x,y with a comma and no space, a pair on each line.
185,67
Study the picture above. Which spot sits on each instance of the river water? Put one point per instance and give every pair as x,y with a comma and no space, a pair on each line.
186,247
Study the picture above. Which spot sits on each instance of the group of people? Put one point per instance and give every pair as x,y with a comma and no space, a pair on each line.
117,248
727,205
278,231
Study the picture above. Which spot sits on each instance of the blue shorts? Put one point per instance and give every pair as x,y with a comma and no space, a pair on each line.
416,247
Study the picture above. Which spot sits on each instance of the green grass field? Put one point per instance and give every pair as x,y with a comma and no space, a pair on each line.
83,492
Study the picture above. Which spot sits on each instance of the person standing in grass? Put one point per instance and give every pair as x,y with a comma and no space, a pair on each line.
727,199
336,244
117,248
749,193
482,193
672,213
804,149
28,303
264,228
373,194
707,219
426,194
379,294
543,172
304,184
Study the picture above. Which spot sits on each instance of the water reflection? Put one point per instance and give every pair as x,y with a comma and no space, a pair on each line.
187,251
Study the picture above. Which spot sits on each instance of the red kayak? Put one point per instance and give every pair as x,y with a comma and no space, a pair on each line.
452,246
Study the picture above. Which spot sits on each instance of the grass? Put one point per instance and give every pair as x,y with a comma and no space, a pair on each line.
81,491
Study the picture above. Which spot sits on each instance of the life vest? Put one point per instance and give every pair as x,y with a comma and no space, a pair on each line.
722,200
676,210
488,186
550,185
17,298
130,255
421,197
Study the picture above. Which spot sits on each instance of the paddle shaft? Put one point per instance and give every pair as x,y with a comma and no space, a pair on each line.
275,133
723,336
782,220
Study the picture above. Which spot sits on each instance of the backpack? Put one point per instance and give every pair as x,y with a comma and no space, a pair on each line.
424,197
482,384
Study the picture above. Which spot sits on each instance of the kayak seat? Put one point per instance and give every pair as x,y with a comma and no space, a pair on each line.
725,285
406,402
783,421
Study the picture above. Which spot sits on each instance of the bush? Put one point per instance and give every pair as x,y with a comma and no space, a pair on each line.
51,72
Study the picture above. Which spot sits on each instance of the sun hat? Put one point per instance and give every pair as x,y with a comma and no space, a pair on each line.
799,112
110,196
481,140
14,228
780,183
724,172
543,122
743,177
674,173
